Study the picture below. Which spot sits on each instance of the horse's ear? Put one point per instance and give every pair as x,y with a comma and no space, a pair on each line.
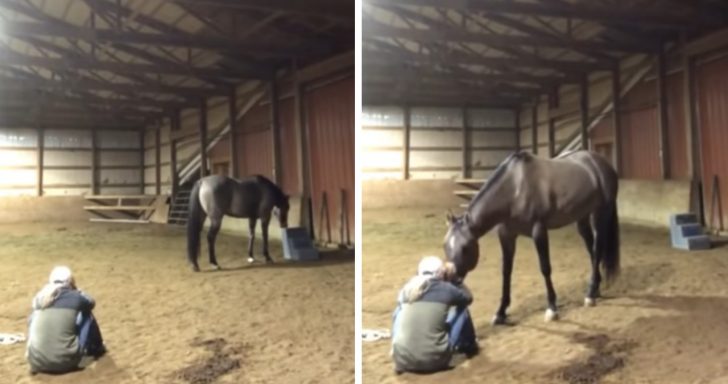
450,218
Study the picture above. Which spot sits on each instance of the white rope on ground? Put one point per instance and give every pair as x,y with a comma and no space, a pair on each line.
11,338
375,334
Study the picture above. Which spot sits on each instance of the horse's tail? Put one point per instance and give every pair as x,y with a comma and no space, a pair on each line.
609,229
195,219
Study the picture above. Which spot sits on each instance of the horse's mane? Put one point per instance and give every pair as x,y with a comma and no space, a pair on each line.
265,181
497,174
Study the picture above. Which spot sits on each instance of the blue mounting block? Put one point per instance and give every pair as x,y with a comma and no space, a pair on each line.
686,233
297,245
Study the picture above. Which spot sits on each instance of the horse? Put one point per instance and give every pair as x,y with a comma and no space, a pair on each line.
527,195
215,196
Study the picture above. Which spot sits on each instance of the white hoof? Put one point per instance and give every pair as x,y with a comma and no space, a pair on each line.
250,259
550,315
589,302
216,267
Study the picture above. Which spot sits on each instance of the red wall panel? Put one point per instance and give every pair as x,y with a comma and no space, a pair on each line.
640,141
712,83
676,128
330,121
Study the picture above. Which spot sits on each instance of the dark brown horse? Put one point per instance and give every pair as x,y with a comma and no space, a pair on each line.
215,196
527,195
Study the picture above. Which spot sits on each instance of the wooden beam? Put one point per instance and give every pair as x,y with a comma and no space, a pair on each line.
174,125
304,173
450,57
275,132
708,43
553,98
233,144
616,119
662,115
466,144
142,160
336,64
94,162
582,11
157,161
376,29
584,112
100,36
321,8
406,142
11,57
517,113
534,128
39,161
203,138
692,131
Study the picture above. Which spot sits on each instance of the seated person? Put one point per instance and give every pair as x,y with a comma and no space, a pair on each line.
62,329
432,321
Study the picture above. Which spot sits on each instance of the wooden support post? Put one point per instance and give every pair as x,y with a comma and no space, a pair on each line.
142,166
534,128
303,158
406,143
275,132
94,162
157,161
466,141
616,121
233,144
584,111
517,127
692,133
203,138
174,126
39,160
662,114
553,103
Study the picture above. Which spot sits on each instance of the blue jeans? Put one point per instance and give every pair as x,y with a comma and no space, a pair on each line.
89,335
461,334
462,331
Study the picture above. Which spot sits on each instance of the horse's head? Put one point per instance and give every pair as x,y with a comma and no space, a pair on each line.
461,247
281,211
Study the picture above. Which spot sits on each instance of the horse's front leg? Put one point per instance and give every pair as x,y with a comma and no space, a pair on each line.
264,228
541,238
251,238
508,248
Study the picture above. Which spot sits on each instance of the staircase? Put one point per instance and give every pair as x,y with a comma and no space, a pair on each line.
686,232
178,210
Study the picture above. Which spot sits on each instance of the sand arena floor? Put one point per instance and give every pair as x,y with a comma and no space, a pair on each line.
285,323
664,321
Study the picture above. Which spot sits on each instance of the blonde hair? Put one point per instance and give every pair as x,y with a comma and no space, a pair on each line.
418,285
60,277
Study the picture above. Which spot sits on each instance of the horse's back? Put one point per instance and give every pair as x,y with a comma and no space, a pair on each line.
561,190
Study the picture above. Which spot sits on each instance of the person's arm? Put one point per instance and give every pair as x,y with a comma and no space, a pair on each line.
459,295
88,302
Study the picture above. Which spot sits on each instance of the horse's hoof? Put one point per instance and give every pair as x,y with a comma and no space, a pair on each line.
269,261
250,259
550,315
195,268
498,320
589,302
216,267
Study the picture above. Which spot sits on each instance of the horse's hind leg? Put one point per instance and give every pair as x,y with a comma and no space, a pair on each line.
264,228
541,238
586,232
251,238
211,236
508,247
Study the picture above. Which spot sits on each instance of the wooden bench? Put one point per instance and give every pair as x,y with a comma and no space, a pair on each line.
135,208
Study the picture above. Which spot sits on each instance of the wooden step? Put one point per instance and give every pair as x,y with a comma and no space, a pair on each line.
466,192
130,221
470,181
118,208
117,197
